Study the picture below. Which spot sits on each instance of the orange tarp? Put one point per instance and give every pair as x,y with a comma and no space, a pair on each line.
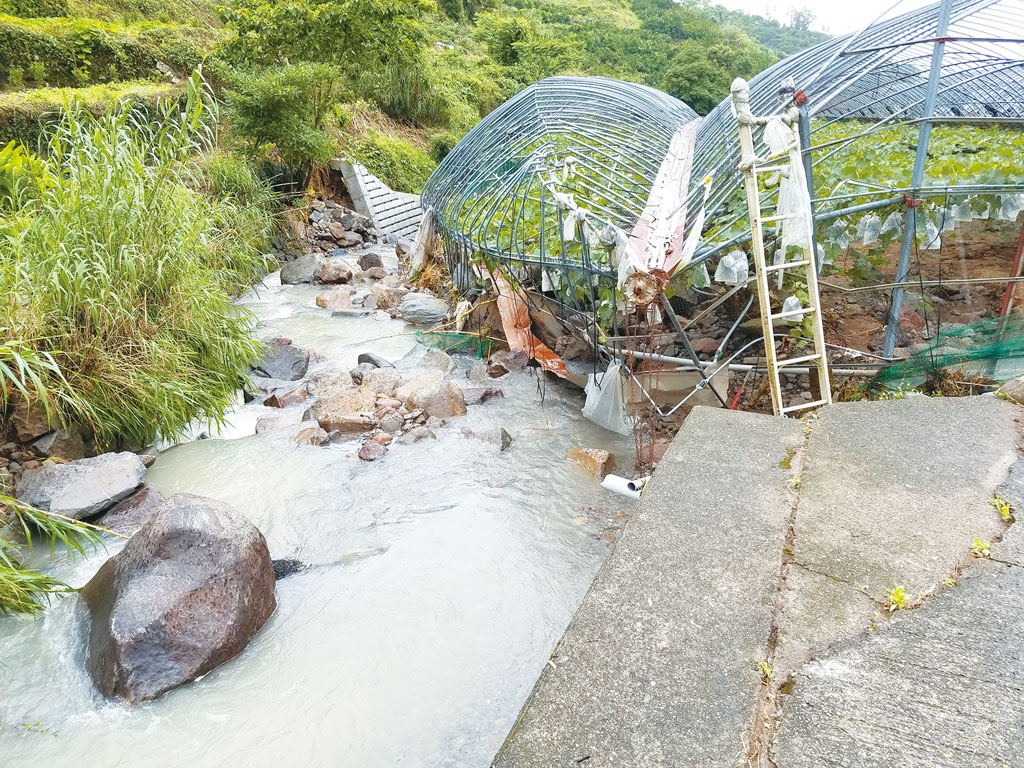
515,320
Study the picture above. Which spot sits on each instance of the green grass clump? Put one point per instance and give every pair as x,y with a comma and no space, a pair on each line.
79,51
398,163
23,590
29,116
122,270
30,9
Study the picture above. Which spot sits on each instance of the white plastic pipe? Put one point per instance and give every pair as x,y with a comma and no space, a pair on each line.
624,486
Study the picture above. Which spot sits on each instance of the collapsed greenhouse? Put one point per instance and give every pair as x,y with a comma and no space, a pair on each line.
610,205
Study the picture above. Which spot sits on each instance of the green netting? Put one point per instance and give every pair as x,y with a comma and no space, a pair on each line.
992,348
459,343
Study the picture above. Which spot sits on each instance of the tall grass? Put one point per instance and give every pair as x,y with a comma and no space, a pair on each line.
23,590
121,272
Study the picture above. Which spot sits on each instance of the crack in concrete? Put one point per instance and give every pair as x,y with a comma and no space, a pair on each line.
761,735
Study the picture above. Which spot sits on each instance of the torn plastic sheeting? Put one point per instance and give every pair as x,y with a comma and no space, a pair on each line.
658,234
794,200
515,321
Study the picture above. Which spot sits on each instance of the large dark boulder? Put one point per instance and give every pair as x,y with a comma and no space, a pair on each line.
187,593
283,361
82,488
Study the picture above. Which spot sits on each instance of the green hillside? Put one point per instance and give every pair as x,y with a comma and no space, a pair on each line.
402,79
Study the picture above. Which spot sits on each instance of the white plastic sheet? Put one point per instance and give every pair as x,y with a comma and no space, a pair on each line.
605,405
794,199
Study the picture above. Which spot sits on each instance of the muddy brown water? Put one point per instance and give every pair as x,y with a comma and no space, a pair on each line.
440,579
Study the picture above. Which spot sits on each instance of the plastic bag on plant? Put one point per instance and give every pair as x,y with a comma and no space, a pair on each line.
869,228
837,234
932,240
893,224
962,211
791,304
605,405
733,269
948,219
1010,207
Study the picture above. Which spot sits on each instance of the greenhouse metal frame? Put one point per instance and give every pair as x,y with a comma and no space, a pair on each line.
958,61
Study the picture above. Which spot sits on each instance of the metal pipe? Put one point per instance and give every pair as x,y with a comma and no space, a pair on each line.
920,159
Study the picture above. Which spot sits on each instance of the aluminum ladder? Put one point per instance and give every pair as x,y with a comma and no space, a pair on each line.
750,166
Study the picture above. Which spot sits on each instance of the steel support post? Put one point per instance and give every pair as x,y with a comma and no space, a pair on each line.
920,160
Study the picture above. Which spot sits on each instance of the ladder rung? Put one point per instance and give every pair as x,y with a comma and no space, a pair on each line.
770,168
797,360
802,406
787,265
770,219
794,313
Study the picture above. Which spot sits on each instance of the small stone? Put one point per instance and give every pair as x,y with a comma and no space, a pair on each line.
336,298
595,460
382,437
336,271
62,443
369,260
421,309
391,422
372,451
31,464
311,433
283,360
360,371
416,434
705,346
284,398
434,423
376,273
372,359
506,440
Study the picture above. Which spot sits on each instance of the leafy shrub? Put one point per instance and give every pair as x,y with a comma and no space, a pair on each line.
28,9
22,176
285,109
357,35
121,270
77,51
441,144
397,162
15,77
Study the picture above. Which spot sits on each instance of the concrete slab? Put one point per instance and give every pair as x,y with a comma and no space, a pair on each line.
895,491
817,612
658,668
941,686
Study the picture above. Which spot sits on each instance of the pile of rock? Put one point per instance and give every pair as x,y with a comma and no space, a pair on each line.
374,401
323,227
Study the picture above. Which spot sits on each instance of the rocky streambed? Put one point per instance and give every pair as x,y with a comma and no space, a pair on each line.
435,578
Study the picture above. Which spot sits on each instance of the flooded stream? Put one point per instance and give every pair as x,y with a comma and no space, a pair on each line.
440,579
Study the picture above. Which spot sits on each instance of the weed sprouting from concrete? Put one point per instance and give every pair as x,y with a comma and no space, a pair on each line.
897,599
980,548
1003,508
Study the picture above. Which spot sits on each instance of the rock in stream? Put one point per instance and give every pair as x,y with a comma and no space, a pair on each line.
187,593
